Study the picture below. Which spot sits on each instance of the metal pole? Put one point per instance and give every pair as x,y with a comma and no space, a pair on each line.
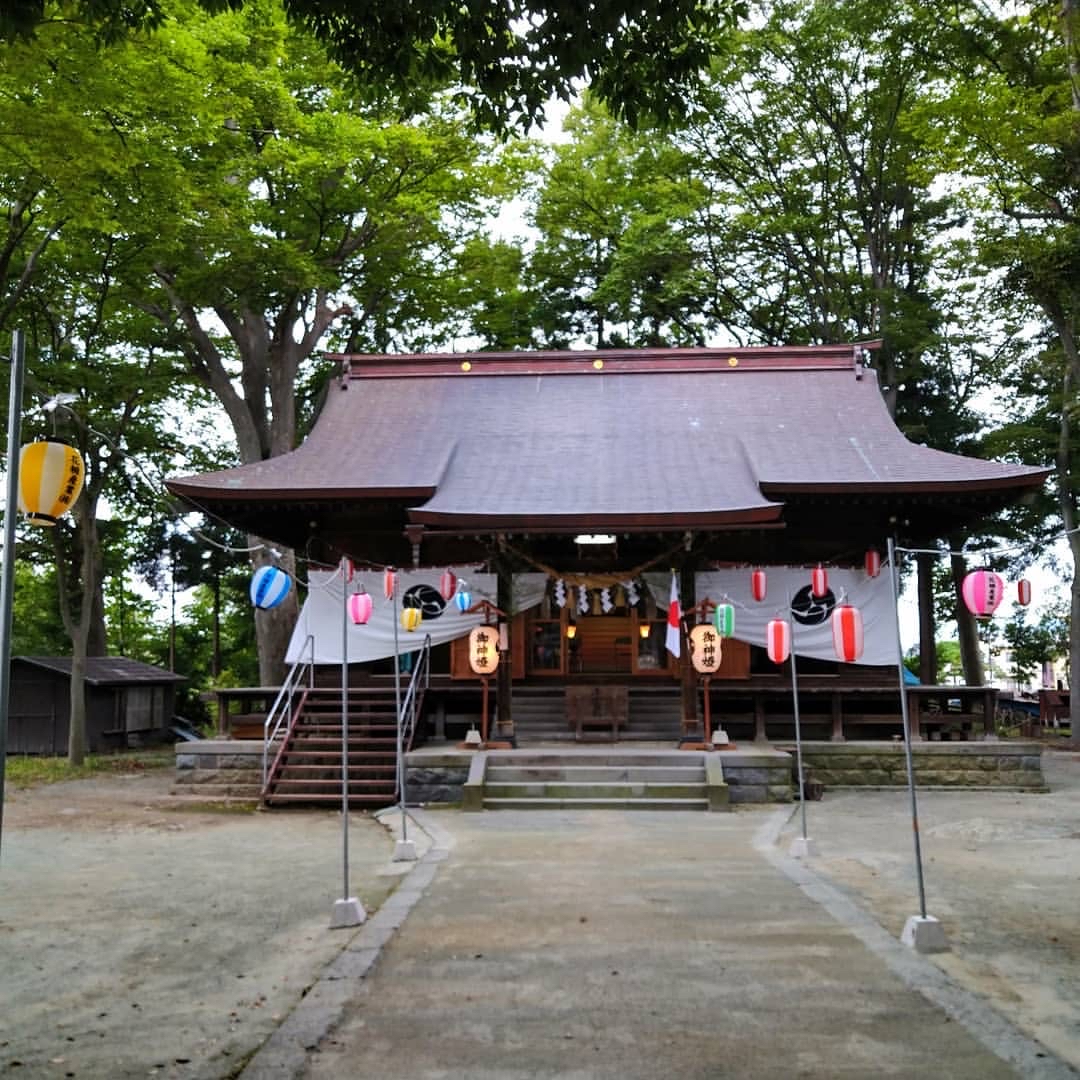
7,572
798,729
894,572
345,731
397,701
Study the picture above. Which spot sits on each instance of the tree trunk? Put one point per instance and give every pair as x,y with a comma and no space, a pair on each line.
928,673
273,628
77,699
97,643
967,628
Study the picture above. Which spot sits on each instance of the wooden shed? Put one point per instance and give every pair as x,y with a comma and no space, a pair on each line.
128,703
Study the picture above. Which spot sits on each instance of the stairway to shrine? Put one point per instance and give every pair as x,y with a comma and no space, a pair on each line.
599,780
540,715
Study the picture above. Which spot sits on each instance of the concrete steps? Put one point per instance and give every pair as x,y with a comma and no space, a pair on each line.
600,780
654,715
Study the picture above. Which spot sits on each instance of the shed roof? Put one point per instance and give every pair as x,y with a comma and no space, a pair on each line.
612,440
106,670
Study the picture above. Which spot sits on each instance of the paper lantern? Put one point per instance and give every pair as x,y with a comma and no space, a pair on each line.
462,598
447,584
724,620
847,632
360,605
1023,592
982,591
389,584
411,618
484,649
819,580
349,568
571,630
758,584
872,562
50,479
269,586
705,648
778,640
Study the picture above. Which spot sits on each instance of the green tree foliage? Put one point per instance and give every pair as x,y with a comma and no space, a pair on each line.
508,59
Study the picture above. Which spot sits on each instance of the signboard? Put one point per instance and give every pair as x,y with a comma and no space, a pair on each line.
484,649
705,649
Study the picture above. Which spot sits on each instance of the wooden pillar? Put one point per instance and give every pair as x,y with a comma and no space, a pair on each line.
688,676
928,674
504,680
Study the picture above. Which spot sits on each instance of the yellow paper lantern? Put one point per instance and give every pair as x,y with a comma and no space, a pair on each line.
411,617
50,479
705,648
484,649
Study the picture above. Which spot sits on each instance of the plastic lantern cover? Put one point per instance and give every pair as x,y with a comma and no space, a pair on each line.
411,617
758,584
819,580
847,633
982,591
778,640
724,620
872,562
50,479
269,586
1023,592
463,600
389,584
360,605
447,584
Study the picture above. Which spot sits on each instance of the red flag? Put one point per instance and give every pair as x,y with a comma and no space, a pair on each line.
674,616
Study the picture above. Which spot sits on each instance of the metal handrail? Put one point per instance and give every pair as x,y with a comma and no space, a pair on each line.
421,670
281,712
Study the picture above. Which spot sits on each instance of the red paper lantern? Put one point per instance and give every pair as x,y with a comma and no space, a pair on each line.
847,632
349,568
778,640
389,584
873,562
982,591
757,584
360,605
1023,592
447,584
819,580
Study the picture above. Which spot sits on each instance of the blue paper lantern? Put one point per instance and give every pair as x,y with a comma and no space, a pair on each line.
463,599
269,586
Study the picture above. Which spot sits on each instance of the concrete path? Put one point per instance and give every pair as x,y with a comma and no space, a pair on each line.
645,945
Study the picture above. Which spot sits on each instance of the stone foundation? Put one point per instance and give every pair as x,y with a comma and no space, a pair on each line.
434,777
219,770
757,775
1003,766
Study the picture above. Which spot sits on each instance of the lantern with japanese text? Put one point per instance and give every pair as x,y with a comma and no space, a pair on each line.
982,591
819,581
847,632
1023,592
389,584
705,649
50,479
872,562
269,586
724,620
462,598
778,640
758,585
360,605
483,649
447,584
411,618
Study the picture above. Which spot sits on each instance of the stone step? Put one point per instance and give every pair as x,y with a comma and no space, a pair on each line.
596,804
596,773
566,790
592,758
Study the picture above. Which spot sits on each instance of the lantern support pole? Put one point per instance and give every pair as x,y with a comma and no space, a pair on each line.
7,571
922,932
404,849
348,911
801,846
708,712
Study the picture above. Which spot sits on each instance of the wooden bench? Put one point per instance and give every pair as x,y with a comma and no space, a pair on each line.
597,707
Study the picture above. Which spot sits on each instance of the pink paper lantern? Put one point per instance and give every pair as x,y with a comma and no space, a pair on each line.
778,640
1023,592
982,591
872,562
819,580
847,632
447,584
389,584
360,605
758,585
